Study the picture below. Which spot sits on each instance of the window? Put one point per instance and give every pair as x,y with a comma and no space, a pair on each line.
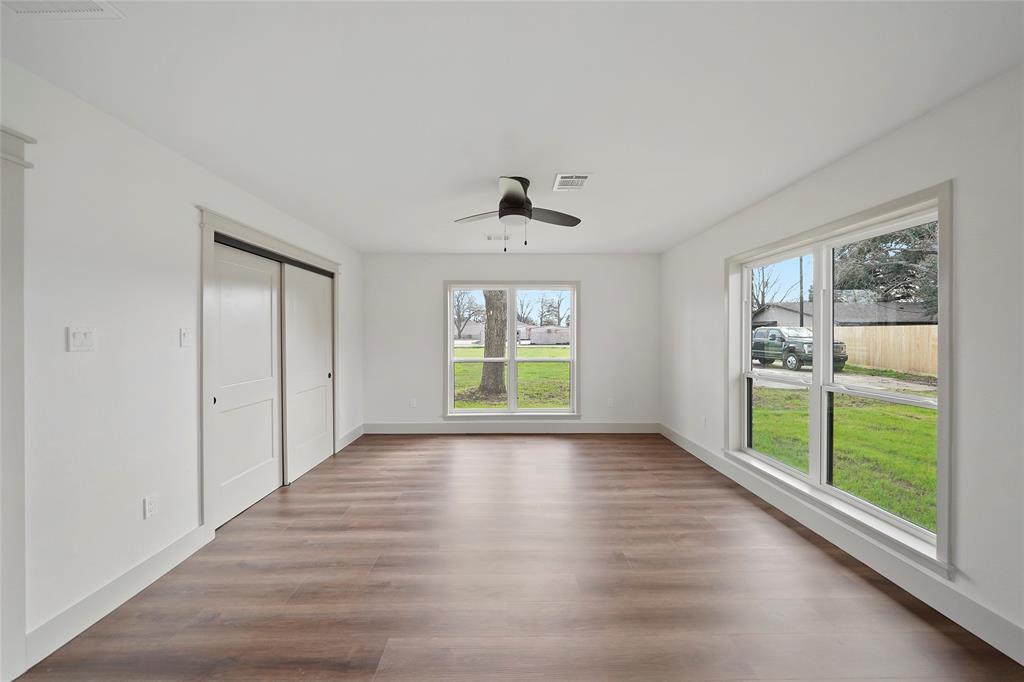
843,365
511,349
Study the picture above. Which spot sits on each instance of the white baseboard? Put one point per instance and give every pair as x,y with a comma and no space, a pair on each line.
930,588
67,625
533,426
347,439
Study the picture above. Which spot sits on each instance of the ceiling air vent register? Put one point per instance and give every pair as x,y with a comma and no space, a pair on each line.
63,11
570,182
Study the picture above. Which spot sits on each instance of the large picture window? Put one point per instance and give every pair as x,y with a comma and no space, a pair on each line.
843,367
511,348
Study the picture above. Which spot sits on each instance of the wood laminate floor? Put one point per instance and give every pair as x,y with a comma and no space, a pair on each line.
604,557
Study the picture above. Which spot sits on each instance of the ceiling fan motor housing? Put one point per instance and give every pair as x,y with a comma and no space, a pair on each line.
509,211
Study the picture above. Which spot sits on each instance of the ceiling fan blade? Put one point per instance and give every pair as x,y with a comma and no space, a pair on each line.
555,217
513,189
478,216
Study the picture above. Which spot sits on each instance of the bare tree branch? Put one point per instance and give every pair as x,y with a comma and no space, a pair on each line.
465,309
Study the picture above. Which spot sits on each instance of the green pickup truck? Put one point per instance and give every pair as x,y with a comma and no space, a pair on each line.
793,346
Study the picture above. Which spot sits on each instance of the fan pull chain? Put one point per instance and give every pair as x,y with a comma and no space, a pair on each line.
504,242
524,231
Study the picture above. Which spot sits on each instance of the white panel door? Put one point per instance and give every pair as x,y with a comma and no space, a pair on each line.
243,450
308,370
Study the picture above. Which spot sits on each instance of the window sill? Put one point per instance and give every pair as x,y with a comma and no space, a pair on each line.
511,416
894,538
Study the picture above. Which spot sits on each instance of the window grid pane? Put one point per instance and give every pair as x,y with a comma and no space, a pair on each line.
481,385
885,311
778,421
782,316
477,325
884,453
543,385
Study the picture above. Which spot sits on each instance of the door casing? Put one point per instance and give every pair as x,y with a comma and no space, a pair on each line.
211,224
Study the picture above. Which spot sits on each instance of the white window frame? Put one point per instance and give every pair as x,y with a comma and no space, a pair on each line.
511,349
931,550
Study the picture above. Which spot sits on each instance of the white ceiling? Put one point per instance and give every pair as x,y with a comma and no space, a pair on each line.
382,122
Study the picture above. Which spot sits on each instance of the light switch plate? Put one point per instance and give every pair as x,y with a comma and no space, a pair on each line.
80,339
185,337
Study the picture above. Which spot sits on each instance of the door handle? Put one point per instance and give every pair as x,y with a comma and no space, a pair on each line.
214,400
328,375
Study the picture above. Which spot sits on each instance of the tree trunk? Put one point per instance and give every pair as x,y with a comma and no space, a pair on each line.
492,379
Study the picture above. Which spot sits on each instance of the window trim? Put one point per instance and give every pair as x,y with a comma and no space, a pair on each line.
512,411
891,216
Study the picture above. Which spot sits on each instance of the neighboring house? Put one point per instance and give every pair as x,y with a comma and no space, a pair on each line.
473,331
546,336
781,315
787,314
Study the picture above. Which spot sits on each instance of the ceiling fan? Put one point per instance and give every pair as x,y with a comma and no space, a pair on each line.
515,208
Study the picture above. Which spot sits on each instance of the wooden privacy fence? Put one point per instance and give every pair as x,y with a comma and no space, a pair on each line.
904,348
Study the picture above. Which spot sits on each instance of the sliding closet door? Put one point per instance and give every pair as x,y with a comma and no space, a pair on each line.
308,370
243,448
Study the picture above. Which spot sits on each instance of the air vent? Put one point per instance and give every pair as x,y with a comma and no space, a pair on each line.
498,237
570,182
63,11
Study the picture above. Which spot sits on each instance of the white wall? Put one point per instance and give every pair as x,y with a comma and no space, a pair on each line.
405,317
112,241
976,140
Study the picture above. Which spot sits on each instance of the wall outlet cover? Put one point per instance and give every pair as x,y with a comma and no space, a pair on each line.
149,507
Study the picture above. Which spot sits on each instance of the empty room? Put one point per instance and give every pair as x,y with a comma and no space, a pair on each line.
565,340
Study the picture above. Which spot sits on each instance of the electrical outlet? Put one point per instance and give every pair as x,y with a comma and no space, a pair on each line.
149,507
704,421
412,403
611,402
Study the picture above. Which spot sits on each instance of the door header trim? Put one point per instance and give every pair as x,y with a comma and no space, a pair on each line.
273,247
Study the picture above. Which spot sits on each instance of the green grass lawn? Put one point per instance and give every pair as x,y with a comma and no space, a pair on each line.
521,352
882,452
541,385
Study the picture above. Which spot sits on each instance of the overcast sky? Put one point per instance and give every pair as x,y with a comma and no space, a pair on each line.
788,272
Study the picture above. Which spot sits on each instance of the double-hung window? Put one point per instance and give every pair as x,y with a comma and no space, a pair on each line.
839,370
511,348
